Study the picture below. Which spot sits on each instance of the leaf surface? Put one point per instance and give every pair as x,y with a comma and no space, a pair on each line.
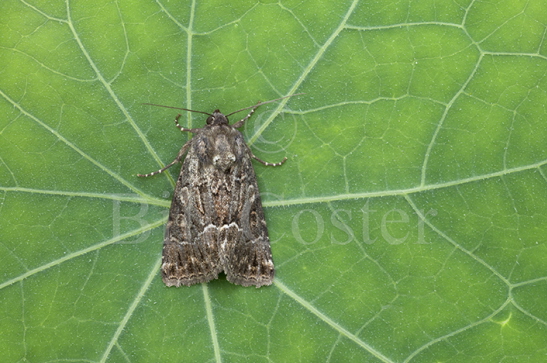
408,224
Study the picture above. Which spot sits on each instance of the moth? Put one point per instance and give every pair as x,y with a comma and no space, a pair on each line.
216,222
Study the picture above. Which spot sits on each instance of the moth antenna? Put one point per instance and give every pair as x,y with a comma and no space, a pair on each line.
177,108
263,103
206,113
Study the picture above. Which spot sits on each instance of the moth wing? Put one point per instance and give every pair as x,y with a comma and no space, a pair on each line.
216,222
190,248
246,245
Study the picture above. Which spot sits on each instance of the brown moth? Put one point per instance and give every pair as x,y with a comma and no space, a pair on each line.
216,222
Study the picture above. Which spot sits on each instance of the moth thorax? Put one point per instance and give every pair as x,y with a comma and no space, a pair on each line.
223,153
224,160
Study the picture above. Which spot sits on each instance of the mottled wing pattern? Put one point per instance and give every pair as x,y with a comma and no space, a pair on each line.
249,257
216,222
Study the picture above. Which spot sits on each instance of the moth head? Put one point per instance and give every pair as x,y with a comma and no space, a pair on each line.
217,118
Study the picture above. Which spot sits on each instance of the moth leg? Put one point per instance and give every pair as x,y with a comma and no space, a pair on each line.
183,128
242,121
177,159
269,164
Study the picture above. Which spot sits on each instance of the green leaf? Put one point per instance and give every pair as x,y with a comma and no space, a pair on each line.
408,224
